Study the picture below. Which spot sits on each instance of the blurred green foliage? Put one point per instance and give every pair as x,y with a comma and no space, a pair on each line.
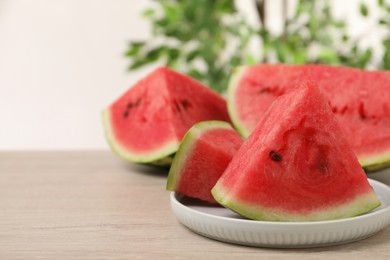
207,38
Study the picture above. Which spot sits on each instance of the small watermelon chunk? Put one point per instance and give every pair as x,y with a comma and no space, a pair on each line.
147,123
203,155
296,166
358,98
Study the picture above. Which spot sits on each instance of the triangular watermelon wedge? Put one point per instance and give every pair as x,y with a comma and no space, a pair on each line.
296,166
147,123
202,157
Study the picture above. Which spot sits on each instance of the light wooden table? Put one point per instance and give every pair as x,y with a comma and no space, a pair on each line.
88,205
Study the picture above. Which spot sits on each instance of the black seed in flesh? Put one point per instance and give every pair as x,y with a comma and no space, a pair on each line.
322,166
343,110
362,112
185,103
125,114
320,163
265,90
138,102
275,156
130,105
176,106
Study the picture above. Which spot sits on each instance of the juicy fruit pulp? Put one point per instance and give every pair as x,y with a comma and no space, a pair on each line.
202,157
296,166
147,123
359,99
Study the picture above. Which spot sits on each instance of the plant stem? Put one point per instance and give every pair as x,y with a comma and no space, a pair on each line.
260,8
285,19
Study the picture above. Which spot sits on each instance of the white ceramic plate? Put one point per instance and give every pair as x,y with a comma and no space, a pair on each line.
222,224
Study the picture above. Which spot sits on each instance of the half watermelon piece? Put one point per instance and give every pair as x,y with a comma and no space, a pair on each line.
358,98
296,166
147,123
202,157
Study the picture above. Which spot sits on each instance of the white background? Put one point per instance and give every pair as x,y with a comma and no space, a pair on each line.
61,63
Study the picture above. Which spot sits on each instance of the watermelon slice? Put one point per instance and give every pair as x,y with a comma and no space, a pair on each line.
296,166
203,156
147,123
359,99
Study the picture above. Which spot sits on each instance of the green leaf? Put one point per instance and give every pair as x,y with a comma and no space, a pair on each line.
134,48
328,56
196,74
192,55
171,11
250,59
313,26
162,23
235,61
172,57
363,9
339,24
149,13
173,53
383,22
300,57
155,53
354,50
345,38
281,51
364,59
139,63
386,54
226,6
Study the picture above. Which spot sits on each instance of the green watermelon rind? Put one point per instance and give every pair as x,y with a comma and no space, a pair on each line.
164,162
361,204
375,163
186,146
160,157
235,78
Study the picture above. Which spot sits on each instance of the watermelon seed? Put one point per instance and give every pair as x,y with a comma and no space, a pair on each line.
362,113
265,90
344,110
185,103
130,105
176,106
321,163
323,166
125,114
137,102
275,91
275,156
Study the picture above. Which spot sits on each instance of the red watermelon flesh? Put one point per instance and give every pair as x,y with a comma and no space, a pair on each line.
296,166
148,122
360,100
202,157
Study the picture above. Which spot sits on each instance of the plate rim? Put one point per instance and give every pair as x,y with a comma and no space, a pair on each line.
244,221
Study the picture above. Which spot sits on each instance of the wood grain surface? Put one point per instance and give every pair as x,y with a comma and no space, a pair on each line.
92,205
